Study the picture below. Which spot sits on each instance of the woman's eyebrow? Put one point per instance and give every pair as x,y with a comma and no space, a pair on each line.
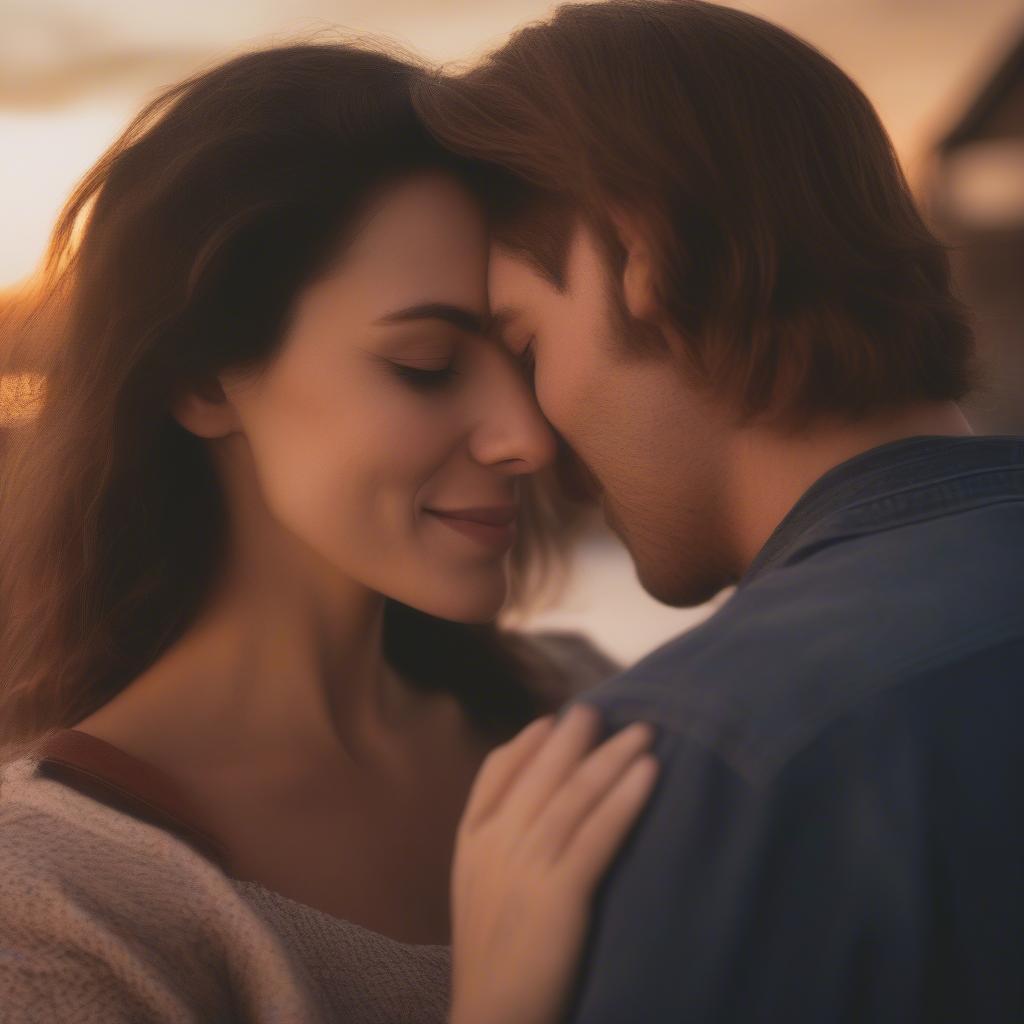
465,319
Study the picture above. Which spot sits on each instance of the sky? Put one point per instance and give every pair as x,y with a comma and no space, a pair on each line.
73,71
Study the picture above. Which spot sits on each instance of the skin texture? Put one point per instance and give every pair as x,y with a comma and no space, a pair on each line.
692,490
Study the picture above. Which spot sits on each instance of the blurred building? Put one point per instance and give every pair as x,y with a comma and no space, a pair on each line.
975,195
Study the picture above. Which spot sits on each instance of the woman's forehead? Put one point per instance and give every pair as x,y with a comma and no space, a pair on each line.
420,220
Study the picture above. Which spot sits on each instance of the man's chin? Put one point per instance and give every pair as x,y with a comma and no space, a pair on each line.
668,582
678,586
610,519
575,477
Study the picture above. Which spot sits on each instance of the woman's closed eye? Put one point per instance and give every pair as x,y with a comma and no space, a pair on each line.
424,379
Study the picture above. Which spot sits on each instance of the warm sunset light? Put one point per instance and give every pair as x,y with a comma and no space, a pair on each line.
511,511
47,152
73,75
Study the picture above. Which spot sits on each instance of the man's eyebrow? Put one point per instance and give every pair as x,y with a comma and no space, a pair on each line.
464,319
502,318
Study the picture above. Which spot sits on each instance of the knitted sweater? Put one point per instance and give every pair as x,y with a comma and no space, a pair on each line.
114,909
105,917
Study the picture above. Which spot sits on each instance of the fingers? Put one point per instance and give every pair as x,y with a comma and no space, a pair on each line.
555,760
552,810
591,780
500,768
595,842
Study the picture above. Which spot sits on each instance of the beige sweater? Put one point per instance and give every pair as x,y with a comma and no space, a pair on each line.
104,917
108,917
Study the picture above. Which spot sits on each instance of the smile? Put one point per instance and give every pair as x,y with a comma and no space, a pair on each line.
493,527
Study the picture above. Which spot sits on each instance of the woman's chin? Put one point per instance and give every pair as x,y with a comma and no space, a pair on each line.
478,604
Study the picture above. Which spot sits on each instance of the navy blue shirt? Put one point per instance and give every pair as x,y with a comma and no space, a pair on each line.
837,834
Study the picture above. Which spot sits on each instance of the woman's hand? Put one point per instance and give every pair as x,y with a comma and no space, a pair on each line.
545,816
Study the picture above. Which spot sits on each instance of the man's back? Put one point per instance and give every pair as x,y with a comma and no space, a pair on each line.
839,829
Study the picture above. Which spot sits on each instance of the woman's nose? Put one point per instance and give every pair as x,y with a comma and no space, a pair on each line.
512,434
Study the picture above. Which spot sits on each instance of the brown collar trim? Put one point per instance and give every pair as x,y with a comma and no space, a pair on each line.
128,784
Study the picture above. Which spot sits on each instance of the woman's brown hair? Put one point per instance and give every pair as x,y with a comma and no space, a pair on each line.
789,253
179,255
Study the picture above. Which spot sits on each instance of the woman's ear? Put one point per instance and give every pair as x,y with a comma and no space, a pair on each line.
206,411
638,273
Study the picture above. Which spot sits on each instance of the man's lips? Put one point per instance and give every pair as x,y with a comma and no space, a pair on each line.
494,527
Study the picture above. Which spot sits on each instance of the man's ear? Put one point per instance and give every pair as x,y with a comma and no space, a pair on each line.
206,411
638,274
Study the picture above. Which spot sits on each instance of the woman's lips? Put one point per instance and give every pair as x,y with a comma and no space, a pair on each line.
493,527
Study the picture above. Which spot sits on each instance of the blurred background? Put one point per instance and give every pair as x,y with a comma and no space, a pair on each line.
947,77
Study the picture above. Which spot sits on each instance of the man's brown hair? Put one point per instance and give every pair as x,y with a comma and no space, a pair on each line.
789,254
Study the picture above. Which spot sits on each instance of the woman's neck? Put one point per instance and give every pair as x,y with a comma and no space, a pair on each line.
283,660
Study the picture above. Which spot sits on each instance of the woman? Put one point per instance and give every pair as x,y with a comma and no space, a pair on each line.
253,543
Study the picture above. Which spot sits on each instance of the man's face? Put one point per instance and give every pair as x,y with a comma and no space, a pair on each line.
647,437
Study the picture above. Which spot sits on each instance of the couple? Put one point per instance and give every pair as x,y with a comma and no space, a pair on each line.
335,331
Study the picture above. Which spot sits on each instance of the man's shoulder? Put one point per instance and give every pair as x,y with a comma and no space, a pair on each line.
804,644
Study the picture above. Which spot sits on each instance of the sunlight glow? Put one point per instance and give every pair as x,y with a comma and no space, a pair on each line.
46,152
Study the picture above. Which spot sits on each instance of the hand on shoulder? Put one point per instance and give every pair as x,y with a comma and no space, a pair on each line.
546,815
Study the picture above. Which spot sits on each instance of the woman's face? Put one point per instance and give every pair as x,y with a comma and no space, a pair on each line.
389,432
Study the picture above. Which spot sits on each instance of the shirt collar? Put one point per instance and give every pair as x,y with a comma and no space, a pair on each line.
874,473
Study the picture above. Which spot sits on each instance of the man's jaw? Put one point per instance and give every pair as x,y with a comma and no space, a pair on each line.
577,480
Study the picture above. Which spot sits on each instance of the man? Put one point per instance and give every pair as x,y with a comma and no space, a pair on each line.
737,320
